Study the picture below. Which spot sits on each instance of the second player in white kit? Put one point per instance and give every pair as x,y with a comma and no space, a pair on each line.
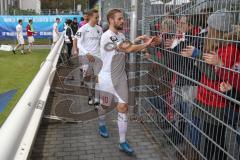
88,44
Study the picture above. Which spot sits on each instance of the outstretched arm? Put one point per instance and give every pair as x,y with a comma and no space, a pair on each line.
129,47
75,51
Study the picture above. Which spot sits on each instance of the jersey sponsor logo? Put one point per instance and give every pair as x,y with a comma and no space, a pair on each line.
113,38
110,46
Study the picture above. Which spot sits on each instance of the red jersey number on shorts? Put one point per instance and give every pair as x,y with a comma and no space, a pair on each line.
105,99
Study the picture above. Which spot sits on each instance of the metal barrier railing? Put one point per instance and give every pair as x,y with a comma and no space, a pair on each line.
20,128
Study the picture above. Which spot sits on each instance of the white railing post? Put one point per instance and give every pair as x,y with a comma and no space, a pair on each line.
133,23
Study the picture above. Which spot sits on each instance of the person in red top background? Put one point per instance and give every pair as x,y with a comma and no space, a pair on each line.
221,55
30,33
220,52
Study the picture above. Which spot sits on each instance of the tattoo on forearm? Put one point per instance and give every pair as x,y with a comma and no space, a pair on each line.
113,46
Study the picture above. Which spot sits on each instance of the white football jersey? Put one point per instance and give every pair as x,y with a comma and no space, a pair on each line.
88,39
113,60
19,31
55,26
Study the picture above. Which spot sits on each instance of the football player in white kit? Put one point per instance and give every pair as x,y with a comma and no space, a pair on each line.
20,38
112,77
56,33
87,40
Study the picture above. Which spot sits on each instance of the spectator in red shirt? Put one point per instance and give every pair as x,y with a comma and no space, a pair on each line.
30,33
220,56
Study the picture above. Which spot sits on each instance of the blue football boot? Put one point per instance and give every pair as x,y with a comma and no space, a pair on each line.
125,147
103,131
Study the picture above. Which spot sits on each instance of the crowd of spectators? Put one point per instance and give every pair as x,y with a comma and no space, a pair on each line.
201,52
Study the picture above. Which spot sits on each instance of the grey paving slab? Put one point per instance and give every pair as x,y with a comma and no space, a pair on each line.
81,141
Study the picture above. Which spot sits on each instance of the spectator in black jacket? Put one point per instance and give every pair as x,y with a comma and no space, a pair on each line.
182,65
68,37
74,25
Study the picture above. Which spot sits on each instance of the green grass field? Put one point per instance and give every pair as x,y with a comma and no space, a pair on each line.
38,41
17,72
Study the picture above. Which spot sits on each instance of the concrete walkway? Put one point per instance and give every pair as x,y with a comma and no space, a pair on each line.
79,139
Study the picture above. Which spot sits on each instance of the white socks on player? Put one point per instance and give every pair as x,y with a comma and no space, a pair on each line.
97,93
122,126
101,115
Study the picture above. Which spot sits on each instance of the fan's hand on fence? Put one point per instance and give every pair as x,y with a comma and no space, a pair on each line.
212,58
188,51
143,38
148,41
156,41
224,87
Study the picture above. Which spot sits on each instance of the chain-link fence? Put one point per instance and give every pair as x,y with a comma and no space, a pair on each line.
188,91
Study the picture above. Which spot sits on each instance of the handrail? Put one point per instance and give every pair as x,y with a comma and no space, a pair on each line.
17,125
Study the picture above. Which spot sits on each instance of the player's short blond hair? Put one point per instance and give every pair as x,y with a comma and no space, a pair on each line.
91,12
111,13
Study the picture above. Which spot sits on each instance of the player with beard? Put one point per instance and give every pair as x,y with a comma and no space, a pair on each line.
113,78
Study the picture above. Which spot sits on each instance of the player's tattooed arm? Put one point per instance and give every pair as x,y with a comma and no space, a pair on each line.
120,46
139,39
124,45
156,40
129,47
